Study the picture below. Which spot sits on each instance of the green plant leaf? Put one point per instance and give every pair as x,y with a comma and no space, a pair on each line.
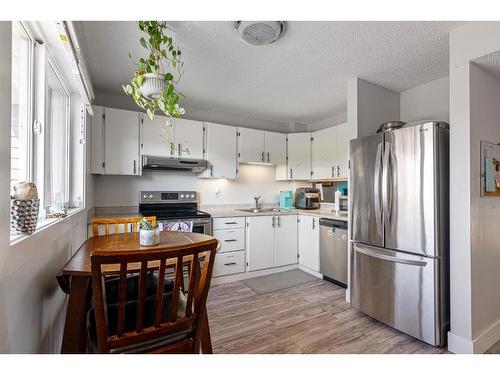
143,43
169,77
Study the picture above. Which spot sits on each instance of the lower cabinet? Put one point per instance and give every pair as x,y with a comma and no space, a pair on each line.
229,263
308,242
271,241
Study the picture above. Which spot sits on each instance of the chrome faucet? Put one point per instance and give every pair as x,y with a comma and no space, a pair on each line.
257,202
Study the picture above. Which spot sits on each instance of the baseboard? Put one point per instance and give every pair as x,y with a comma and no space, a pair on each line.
248,275
311,272
480,344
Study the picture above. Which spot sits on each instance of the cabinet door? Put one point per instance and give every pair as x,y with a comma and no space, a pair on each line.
251,146
345,134
275,148
324,153
285,240
155,135
260,242
221,151
308,240
121,142
97,141
189,138
299,156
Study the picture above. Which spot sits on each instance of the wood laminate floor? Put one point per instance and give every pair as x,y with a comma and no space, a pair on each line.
311,318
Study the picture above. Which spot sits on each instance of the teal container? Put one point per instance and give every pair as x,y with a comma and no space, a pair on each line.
286,199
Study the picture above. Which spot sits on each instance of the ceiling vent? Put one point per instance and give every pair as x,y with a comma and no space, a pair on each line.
259,33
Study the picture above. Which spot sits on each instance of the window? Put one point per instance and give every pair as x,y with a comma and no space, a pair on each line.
56,141
22,52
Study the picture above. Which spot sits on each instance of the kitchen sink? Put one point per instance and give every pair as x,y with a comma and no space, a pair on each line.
254,210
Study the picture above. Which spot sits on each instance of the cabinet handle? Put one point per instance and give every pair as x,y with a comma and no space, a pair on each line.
230,264
274,222
211,171
278,219
134,167
268,157
231,222
314,222
180,149
291,173
231,240
262,156
338,170
172,149
333,171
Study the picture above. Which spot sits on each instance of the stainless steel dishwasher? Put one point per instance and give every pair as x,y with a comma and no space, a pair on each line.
333,250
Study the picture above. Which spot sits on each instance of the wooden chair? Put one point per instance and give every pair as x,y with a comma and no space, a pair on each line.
129,224
172,331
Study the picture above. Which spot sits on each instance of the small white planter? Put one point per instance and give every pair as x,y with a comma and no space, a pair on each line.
149,237
153,85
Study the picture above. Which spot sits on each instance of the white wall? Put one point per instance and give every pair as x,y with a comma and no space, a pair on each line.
474,246
254,180
430,101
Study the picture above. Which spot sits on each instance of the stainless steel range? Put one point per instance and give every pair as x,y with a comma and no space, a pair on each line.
174,206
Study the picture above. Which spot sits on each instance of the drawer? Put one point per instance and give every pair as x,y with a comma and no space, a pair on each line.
229,263
230,239
228,222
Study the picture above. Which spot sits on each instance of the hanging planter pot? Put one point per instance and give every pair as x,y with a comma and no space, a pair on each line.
153,86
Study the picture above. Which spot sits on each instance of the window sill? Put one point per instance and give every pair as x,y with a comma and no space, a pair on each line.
43,224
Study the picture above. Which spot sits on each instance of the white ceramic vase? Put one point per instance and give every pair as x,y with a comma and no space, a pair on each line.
149,237
153,85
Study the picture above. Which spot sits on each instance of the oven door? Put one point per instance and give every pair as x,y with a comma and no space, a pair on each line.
203,226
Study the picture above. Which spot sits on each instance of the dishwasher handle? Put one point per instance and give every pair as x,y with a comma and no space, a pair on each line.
338,224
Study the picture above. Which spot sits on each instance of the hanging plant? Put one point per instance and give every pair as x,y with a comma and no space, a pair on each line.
153,85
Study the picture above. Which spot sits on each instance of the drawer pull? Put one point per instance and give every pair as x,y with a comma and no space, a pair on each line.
231,222
230,240
230,264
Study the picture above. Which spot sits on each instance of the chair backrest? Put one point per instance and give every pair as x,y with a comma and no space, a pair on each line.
129,224
198,258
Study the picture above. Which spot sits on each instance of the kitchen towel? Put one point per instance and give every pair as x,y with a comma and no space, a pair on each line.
176,226
490,170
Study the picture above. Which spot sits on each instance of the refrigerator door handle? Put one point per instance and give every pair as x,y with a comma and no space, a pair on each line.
393,185
367,251
385,181
376,188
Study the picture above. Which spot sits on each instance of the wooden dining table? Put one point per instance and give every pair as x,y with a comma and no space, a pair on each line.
75,280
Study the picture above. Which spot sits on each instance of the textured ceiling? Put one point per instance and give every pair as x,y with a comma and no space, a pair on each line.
300,78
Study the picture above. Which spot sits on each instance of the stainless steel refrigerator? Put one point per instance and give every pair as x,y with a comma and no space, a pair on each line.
399,187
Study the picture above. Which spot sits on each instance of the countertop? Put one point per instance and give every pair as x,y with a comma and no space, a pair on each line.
222,211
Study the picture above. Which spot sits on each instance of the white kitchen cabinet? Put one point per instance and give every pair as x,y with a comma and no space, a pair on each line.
260,242
188,138
299,156
221,151
97,141
121,142
275,148
285,238
308,242
330,152
154,136
251,145
324,153
344,135
229,263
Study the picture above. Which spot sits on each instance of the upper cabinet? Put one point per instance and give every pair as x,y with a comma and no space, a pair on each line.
221,151
154,134
115,142
251,145
330,152
299,156
275,148
186,137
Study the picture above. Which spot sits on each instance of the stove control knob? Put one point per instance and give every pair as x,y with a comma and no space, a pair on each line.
182,196
192,196
145,196
150,196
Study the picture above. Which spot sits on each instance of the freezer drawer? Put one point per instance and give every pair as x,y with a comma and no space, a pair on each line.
401,290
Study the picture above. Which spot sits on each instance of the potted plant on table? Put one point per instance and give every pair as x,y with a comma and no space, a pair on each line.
149,234
152,86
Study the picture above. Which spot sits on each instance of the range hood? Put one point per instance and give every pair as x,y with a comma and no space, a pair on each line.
158,163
